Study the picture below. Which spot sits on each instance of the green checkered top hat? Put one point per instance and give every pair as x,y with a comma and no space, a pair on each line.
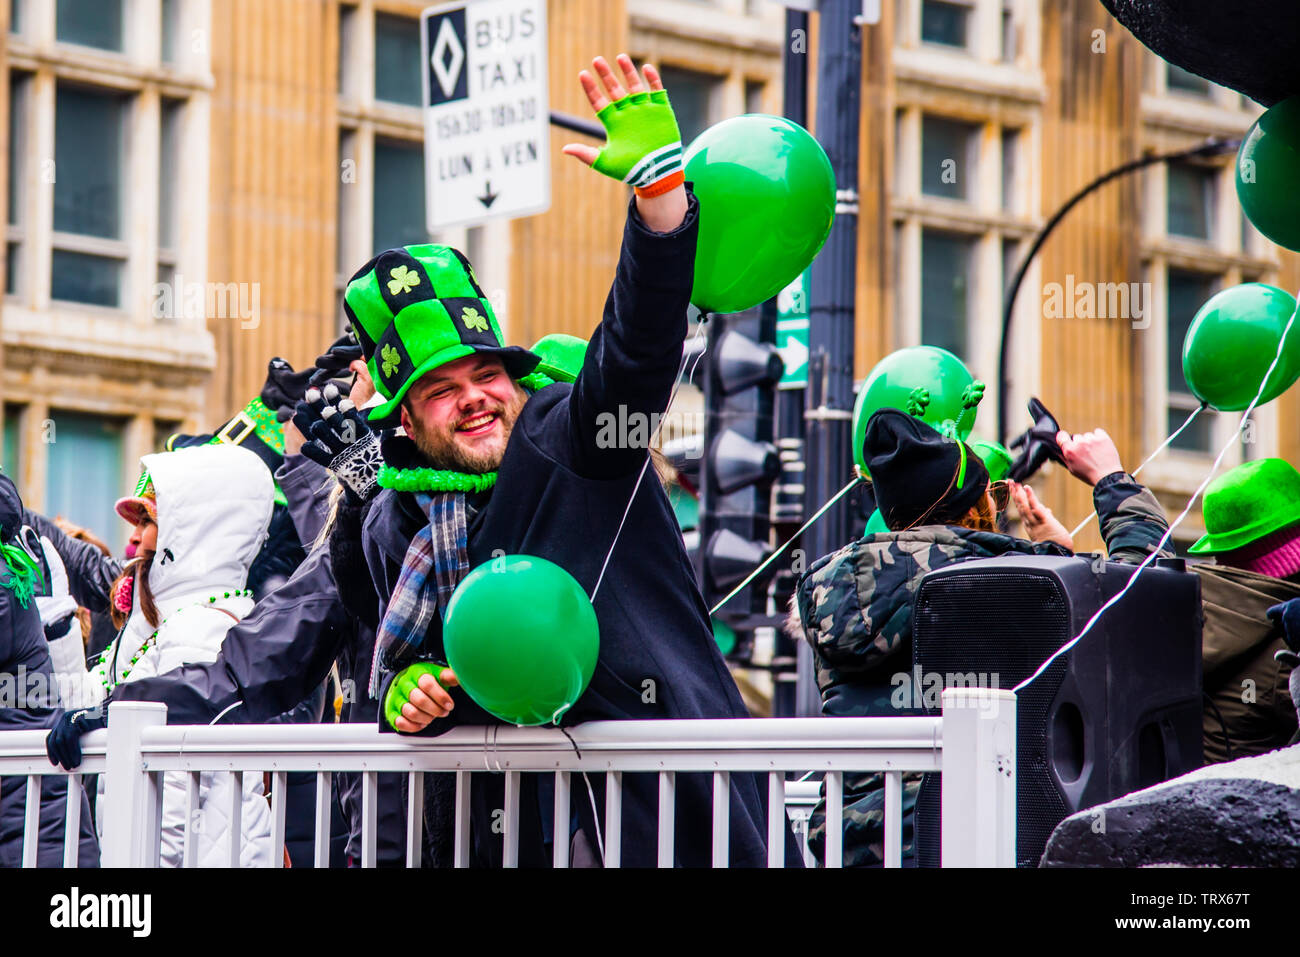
1247,503
417,308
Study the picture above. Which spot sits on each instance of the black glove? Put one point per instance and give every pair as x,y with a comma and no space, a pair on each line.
339,438
1038,443
1287,617
63,743
283,388
334,361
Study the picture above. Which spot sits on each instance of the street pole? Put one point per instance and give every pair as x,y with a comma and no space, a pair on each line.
787,507
828,399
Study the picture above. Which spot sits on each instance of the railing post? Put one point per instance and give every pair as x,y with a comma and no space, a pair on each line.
132,811
978,784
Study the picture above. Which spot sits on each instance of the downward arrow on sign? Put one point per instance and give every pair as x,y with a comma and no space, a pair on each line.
488,197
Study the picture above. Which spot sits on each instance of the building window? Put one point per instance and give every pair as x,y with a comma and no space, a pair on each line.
18,87
170,28
1191,200
1186,292
88,150
945,23
1009,50
15,16
347,45
164,429
945,290
85,474
90,23
1011,170
1181,81
948,150
753,96
397,60
13,443
398,195
695,97
168,189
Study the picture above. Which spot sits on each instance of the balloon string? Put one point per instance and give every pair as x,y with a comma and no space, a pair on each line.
1146,562
1147,461
653,435
771,558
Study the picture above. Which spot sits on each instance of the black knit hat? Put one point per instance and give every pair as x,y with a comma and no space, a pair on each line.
921,476
11,509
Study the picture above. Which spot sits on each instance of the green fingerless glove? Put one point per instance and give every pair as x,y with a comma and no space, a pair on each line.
643,144
407,680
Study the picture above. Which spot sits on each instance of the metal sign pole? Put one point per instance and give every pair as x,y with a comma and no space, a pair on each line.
828,407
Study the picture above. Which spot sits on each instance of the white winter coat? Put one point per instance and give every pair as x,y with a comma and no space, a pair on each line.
214,505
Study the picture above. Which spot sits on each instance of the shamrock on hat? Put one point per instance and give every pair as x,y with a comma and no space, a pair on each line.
417,308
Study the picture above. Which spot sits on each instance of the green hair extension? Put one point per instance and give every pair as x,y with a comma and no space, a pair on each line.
23,573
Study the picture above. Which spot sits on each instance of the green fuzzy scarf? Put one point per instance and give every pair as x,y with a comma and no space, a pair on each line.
433,480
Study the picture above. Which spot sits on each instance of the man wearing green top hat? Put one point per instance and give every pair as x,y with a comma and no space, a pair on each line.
501,456
1252,530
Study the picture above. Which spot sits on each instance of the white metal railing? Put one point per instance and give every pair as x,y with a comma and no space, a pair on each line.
973,744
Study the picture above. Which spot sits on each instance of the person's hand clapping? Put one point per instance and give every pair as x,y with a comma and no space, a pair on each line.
1040,524
1090,456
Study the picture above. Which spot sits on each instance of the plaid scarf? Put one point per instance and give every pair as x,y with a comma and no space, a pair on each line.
442,547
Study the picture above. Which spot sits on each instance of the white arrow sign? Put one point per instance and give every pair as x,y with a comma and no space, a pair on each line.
486,111
794,354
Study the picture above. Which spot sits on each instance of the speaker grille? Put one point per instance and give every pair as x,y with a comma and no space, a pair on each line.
1002,624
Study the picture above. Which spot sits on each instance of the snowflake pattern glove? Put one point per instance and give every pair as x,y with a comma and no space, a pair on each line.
340,439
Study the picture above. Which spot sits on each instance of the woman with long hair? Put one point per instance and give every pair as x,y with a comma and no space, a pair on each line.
199,517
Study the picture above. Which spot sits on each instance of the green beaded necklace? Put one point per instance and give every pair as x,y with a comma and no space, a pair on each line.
433,480
153,639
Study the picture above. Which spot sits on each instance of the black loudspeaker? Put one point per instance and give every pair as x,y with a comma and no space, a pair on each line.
1118,712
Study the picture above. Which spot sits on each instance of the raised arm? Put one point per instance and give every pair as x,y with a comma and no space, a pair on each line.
635,352
1132,521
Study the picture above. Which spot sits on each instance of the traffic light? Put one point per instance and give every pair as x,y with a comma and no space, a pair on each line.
741,368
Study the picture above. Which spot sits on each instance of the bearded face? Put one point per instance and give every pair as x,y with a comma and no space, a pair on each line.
460,415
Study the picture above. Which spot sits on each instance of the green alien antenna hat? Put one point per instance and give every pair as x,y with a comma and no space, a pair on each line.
416,308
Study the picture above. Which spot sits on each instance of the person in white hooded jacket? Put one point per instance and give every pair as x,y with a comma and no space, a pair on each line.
200,516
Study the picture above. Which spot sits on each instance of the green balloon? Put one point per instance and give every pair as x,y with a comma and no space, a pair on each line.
995,457
1268,173
876,523
1232,341
522,638
925,381
767,200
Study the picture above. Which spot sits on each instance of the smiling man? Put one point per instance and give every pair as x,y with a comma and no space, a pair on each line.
498,460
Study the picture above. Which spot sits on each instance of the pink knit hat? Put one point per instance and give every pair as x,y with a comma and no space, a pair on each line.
1276,555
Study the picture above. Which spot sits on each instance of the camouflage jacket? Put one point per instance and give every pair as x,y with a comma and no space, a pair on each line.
854,606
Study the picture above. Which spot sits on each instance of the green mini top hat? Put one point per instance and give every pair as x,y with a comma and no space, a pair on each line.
1248,502
995,457
417,308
